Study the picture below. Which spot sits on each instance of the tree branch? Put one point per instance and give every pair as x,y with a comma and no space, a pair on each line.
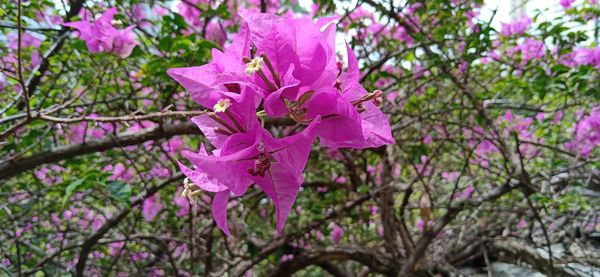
38,72
376,261
13,167
88,244
530,255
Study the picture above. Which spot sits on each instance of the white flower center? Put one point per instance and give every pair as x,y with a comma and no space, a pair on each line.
254,65
222,105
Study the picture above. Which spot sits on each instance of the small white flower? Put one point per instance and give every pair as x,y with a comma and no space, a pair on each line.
191,191
254,65
222,105
186,187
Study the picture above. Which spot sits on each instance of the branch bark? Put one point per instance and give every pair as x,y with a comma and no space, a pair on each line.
38,72
377,262
530,255
13,167
89,243
453,210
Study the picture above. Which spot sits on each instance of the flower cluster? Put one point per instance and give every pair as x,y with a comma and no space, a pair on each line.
586,135
566,3
582,56
275,68
102,36
9,60
517,27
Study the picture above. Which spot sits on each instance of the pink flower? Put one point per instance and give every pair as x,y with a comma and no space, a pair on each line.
422,224
451,176
292,71
586,56
586,133
380,231
287,257
427,140
102,36
216,33
517,27
529,50
558,117
467,192
151,207
115,247
27,40
275,165
124,42
540,117
190,13
160,10
139,12
374,209
424,168
335,154
97,223
119,172
341,180
566,3
305,66
67,215
318,235
183,203
160,172
337,233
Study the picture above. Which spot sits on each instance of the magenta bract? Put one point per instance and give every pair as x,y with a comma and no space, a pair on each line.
289,68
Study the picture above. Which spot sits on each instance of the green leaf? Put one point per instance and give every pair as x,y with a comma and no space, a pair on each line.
137,52
165,43
78,184
79,45
560,69
119,190
182,43
179,21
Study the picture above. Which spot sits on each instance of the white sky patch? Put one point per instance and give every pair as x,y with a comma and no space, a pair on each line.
505,13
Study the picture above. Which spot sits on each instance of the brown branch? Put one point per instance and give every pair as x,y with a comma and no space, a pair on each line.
120,118
386,204
89,243
263,6
377,262
271,247
29,87
453,210
38,72
13,167
530,255
20,62
333,269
